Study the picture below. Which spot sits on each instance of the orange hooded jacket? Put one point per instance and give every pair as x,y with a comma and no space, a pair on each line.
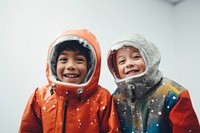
60,107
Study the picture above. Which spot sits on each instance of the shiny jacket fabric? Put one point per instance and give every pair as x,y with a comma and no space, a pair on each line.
71,108
167,108
149,102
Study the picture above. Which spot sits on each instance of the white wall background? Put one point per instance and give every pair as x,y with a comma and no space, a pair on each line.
27,28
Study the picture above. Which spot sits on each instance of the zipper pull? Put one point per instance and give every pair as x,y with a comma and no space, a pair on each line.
79,91
53,86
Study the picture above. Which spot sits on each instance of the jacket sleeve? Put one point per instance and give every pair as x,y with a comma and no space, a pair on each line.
113,121
110,122
183,117
31,119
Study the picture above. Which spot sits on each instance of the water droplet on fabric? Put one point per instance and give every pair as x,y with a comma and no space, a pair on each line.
159,113
174,97
157,125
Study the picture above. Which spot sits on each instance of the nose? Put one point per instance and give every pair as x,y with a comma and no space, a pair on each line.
130,63
70,66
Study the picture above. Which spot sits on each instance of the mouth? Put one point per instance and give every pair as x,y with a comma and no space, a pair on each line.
132,72
71,75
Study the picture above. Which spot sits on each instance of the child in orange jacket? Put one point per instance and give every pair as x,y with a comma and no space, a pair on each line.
72,101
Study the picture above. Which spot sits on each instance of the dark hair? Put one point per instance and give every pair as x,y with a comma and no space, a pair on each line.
73,45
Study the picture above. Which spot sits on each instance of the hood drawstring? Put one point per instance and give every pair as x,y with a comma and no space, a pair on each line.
53,86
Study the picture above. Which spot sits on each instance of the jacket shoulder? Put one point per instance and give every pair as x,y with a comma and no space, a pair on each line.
101,89
172,86
42,93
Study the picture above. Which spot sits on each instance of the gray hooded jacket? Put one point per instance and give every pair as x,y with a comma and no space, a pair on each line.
136,86
147,102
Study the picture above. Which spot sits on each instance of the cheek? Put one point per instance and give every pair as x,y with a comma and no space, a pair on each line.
58,71
120,70
83,68
59,68
142,65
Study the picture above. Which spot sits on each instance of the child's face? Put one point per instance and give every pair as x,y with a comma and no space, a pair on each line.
129,62
71,66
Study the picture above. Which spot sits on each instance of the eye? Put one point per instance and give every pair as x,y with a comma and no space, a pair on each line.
62,59
80,59
121,62
136,57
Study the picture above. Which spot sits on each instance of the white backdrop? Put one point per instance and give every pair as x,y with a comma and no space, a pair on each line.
27,28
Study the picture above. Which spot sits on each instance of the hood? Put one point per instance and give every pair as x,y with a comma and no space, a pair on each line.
136,86
70,90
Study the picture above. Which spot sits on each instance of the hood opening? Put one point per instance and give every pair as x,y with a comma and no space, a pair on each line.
72,43
143,82
112,55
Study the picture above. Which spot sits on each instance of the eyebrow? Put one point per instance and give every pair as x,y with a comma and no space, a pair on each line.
77,53
66,51
63,52
134,51
120,56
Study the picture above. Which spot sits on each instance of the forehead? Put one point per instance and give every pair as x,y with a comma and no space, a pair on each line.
70,52
126,50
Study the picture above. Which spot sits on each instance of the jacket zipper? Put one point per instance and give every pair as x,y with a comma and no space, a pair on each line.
64,116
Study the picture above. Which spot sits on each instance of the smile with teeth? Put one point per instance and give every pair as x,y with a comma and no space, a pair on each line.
71,75
132,72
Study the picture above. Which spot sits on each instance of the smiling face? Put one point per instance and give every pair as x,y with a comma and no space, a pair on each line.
129,62
71,66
